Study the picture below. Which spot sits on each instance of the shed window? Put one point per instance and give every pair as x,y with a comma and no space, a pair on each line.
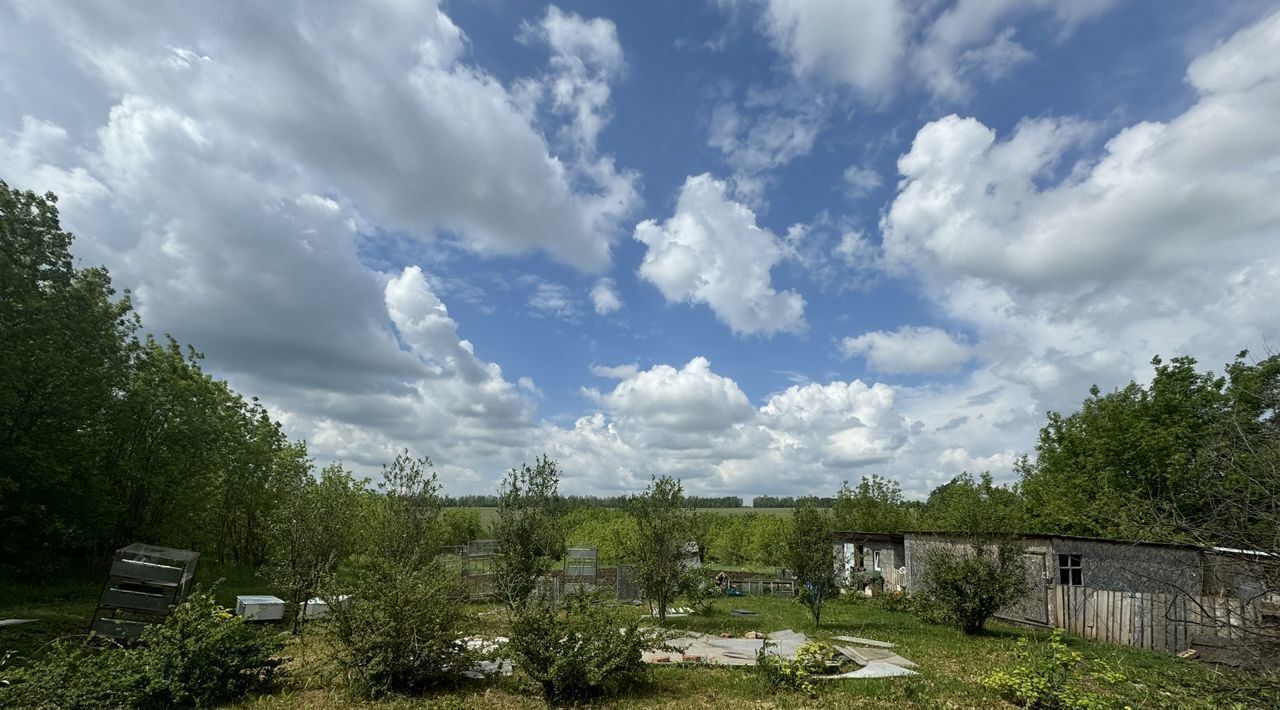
1070,571
875,556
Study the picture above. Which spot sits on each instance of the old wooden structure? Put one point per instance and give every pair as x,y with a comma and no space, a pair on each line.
868,560
144,583
1163,597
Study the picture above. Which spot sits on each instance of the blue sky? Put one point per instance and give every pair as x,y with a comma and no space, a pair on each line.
764,245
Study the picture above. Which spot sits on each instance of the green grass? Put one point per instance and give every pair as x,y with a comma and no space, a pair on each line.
951,664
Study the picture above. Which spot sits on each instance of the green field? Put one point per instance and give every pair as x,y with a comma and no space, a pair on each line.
488,515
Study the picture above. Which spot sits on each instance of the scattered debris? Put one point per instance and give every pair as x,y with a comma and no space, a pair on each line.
492,665
1189,653
673,612
874,662
867,656
875,669
744,612
726,635
863,642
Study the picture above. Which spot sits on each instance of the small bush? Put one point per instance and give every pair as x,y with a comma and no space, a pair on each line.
76,674
779,674
400,629
200,656
973,583
1051,676
585,649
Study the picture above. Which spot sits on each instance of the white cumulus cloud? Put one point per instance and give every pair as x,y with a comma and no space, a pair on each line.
909,350
604,296
712,251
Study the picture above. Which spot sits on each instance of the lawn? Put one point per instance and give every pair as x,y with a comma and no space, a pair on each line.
951,663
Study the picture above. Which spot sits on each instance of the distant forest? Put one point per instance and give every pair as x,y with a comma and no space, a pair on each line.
108,437
580,501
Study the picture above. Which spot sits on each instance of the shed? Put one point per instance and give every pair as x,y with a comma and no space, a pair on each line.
1151,595
863,558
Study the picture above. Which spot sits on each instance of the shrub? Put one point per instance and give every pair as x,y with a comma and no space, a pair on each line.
529,530
1051,676
973,583
400,629
200,656
779,674
73,675
584,649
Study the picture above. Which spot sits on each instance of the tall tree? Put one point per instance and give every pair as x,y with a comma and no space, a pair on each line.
528,530
811,557
661,541
1097,468
875,505
311,531
969,505
66,347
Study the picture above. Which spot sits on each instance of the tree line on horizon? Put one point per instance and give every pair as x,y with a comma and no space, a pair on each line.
109,436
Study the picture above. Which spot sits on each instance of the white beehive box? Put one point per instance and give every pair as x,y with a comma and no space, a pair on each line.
317,608
260,607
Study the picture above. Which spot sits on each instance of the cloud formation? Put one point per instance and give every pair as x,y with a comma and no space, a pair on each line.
711,251
909,350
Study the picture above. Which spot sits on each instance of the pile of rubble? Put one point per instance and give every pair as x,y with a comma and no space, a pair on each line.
874,658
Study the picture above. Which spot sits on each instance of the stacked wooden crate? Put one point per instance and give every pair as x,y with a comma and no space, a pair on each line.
144,583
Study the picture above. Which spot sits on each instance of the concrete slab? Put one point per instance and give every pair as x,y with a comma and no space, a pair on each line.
863,642
875,669
867,656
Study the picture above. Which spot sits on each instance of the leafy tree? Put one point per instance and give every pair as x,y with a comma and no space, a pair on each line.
1098,470
460,525
67,344
876,505
811,558
661,538
769,539
611,531
528,530
311,532
969,505
972,582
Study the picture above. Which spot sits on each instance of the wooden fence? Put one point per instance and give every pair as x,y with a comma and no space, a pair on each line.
1159,622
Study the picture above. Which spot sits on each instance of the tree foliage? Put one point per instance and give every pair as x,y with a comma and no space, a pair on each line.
108,438
968,505
811,558
661,538
528,530
875,505
972,582
311,532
